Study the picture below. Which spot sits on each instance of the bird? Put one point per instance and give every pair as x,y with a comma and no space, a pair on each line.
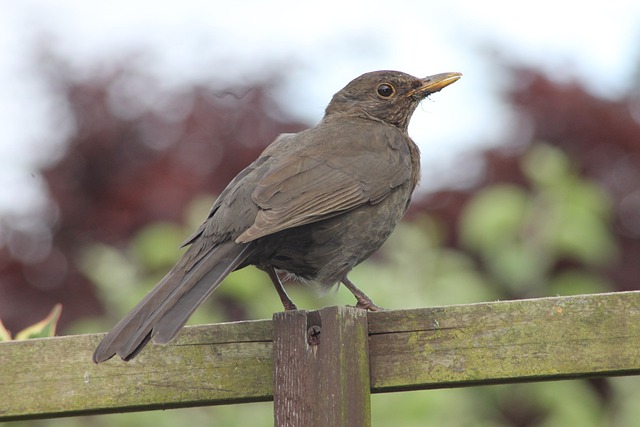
313,205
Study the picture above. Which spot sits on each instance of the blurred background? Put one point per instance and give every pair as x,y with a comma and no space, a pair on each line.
121,121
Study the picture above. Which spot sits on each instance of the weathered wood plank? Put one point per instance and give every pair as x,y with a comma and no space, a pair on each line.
321,368
525,340
212,364
513,341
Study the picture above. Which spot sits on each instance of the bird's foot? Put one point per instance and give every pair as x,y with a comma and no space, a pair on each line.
364,301
367,304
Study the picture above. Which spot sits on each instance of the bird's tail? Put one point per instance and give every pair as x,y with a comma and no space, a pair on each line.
168,306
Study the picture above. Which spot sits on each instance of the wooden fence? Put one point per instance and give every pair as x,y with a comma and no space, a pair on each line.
325,363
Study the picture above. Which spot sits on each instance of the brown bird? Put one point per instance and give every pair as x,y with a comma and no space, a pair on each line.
314,204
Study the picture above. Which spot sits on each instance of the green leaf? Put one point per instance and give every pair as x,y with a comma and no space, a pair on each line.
44,328
5,334
494,216
157,245
545,165
585,237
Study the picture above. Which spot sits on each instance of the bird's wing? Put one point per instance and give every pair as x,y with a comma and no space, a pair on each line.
342,168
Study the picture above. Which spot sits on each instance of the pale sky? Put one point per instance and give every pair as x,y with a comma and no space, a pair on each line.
318,47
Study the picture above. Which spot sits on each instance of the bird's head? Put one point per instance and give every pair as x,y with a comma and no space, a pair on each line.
389,96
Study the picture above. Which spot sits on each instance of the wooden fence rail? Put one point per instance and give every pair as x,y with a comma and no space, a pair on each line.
341,349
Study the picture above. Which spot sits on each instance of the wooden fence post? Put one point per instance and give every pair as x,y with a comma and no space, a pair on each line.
321,368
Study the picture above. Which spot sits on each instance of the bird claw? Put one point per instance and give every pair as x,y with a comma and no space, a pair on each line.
368,305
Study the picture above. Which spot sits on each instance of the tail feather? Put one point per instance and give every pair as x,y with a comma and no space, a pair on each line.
171,323
168,306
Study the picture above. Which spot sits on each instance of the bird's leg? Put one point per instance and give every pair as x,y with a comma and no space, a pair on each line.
363,300
286,301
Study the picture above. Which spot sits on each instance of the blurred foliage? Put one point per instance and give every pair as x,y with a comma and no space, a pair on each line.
552,217
520,232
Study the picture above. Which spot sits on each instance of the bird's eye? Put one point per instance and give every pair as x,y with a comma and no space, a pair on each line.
385,90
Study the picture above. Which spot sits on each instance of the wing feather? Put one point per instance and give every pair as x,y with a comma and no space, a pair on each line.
334,178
